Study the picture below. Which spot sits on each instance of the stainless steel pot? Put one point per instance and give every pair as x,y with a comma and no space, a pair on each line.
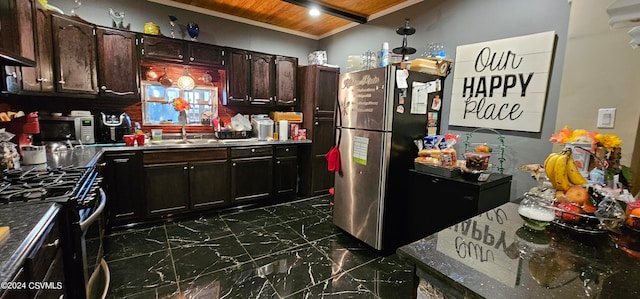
34,154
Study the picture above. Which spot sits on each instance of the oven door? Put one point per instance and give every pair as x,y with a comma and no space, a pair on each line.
96,270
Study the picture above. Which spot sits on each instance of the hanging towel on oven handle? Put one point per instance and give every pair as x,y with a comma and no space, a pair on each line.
333,155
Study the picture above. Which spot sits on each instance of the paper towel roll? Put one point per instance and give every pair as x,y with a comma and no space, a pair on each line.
283,130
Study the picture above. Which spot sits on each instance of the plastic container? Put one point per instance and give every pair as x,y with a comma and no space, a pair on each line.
384,55
477,161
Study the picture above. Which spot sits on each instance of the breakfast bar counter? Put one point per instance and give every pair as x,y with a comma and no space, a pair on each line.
493,255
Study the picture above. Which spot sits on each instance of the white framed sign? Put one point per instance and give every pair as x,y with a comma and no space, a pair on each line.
502,84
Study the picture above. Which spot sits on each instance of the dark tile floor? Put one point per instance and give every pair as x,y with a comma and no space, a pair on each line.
290,250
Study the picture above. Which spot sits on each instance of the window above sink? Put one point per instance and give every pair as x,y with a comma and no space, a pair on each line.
159,88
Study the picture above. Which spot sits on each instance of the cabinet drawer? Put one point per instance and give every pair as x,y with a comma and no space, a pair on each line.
249,152
286,151
38,262
175,156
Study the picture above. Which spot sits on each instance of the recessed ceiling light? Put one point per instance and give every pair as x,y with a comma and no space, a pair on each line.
314,11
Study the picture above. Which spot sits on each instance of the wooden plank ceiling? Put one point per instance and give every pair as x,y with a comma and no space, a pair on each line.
291,18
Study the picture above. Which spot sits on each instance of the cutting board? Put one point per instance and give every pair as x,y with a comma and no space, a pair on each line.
4,234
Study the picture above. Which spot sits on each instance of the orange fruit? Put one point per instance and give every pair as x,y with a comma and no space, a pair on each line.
577,194
634,221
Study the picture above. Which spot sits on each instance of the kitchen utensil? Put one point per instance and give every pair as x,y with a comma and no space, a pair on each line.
164,80
32,154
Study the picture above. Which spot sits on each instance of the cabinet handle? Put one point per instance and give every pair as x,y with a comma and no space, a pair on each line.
193,167
180,56
317,108
435,181
55,243
185,168
191,59
253,150
278,162
42,80
316,123
104,88
468,197
286,149
61,78
233,164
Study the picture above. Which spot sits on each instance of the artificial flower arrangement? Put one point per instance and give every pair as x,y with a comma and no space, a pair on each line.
180,104
606,147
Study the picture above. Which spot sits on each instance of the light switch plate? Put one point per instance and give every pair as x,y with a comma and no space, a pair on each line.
606,118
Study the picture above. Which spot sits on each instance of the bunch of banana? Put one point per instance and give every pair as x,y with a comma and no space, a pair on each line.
562,170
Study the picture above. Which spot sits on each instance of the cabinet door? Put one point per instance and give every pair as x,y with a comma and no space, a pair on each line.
118,63
209,183
323,139
162,48
326,90
74,46
251,179
238,77
40,78
286,177
286,80
122,185
262,79
16,27
166,188
206,55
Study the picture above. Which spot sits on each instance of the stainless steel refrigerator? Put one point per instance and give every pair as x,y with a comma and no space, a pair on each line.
376,128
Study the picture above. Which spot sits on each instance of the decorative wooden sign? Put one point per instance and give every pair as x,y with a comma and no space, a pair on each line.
502,84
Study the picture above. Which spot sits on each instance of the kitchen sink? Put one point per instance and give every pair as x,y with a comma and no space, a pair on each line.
182,142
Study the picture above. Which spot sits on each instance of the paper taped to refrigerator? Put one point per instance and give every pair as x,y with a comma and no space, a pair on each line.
419,97
360,148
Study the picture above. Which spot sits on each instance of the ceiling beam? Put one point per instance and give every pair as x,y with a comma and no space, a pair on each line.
330,10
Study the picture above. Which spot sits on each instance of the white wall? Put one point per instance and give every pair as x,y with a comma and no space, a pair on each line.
460,22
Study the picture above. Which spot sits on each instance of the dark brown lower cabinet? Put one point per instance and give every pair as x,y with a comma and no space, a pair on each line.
208,184
166,188
122,183
179,181
251,173
285,173
42,264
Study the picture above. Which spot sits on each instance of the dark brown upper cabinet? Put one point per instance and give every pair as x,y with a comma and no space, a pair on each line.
162,49
238,70
16,32
74,48
262,78
117,63
286,69
177,51
251,78
204,55
40,78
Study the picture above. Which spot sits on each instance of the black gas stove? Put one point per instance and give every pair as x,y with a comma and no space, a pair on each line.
60,184
81,221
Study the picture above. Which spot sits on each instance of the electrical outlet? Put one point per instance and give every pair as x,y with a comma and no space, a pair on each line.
606,118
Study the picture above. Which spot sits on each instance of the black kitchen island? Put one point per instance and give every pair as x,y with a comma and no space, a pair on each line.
493,256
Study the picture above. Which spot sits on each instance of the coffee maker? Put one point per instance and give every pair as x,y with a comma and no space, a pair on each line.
112,126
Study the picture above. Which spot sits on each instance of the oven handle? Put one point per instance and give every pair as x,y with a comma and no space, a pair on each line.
107,279
84,225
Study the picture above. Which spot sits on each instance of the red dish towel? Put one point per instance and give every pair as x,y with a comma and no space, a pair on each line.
333,159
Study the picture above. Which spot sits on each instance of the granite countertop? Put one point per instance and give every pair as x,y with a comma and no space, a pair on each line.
493,256
27,222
